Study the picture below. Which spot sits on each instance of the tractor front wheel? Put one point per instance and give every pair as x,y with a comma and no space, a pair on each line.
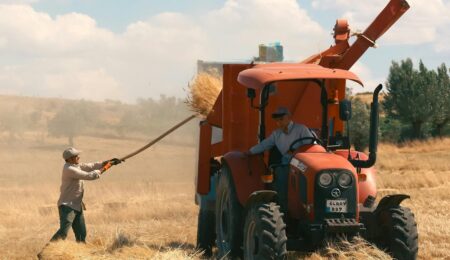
228,217
265,233
398,233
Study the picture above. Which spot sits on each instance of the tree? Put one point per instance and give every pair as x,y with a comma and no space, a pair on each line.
71,119
441,101
390,130
359,124
14,121
409,95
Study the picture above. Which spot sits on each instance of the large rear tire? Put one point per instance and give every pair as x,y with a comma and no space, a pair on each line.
228,217
265,233
399,234
205,231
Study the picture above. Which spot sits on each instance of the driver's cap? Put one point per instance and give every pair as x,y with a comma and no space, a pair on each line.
280,112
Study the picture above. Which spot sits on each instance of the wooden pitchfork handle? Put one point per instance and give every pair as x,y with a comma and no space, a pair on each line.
158,138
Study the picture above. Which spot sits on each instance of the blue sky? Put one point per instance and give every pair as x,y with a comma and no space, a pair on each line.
135,49
116,15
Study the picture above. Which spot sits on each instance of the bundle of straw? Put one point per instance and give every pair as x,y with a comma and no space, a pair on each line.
356,249
203,92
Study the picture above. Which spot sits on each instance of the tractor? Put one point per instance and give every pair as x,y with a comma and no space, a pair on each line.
256,206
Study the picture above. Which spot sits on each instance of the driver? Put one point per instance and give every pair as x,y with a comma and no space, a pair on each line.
286,133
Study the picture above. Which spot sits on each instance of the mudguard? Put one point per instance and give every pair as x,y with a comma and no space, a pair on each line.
390,201
370,218
246,172
262,196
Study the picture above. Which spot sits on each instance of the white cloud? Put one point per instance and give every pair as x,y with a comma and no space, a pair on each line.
71,56
424,22
91,84
242,25
366,76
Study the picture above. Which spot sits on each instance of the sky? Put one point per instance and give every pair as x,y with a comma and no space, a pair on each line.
125,50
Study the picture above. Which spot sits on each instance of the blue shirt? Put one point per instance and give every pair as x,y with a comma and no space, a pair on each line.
283,140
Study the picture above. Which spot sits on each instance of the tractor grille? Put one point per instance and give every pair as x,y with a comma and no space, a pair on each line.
324,194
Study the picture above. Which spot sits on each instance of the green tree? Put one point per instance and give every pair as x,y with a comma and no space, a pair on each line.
441,101
390,130
359,124
410,94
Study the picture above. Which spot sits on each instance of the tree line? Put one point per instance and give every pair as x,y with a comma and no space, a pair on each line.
415,106
69,119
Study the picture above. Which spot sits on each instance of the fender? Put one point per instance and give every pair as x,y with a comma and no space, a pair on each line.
390,201
246,172
262,196
370,218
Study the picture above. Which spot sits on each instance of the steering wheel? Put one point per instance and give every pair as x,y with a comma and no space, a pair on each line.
312,138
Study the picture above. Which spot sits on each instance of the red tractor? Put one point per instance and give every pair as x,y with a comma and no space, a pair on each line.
257,207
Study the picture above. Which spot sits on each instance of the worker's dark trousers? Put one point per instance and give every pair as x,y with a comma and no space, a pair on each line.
69,217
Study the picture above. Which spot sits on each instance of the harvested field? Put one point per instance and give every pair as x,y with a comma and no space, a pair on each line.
144,208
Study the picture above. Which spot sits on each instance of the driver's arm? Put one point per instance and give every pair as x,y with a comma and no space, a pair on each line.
305,132
264,145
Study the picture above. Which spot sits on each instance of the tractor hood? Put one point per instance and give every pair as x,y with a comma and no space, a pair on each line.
263,74
315,162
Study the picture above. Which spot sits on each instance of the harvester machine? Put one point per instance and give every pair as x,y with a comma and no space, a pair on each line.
256,207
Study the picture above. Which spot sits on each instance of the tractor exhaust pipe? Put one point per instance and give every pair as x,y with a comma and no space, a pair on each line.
373,142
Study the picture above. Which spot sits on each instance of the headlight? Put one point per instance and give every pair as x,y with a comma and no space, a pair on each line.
325,179
344,180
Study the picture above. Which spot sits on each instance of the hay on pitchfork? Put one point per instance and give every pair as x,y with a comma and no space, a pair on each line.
203,92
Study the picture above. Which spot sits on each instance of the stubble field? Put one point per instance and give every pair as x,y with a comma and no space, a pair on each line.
144,208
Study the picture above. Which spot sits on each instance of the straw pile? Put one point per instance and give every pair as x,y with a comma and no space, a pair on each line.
122,246
356,249
203,92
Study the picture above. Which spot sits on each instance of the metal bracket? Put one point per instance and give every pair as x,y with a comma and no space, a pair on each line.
360,34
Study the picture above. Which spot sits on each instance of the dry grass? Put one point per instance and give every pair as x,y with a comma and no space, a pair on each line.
357,249
368,97
144,208
203,92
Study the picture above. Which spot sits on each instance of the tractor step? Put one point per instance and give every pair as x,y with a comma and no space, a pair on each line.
342,225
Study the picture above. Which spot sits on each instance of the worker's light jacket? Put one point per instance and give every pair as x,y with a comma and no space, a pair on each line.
282,140
72,188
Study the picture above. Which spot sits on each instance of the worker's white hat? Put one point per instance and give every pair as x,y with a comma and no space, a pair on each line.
70,152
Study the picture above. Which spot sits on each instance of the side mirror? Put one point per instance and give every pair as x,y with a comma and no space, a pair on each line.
345,110
251,93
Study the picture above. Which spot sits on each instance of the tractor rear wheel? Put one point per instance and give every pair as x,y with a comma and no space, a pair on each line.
398,233
228,217
205,231
265,233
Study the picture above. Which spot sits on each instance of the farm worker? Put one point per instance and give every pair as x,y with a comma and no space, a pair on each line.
286,133
70,203
284,136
